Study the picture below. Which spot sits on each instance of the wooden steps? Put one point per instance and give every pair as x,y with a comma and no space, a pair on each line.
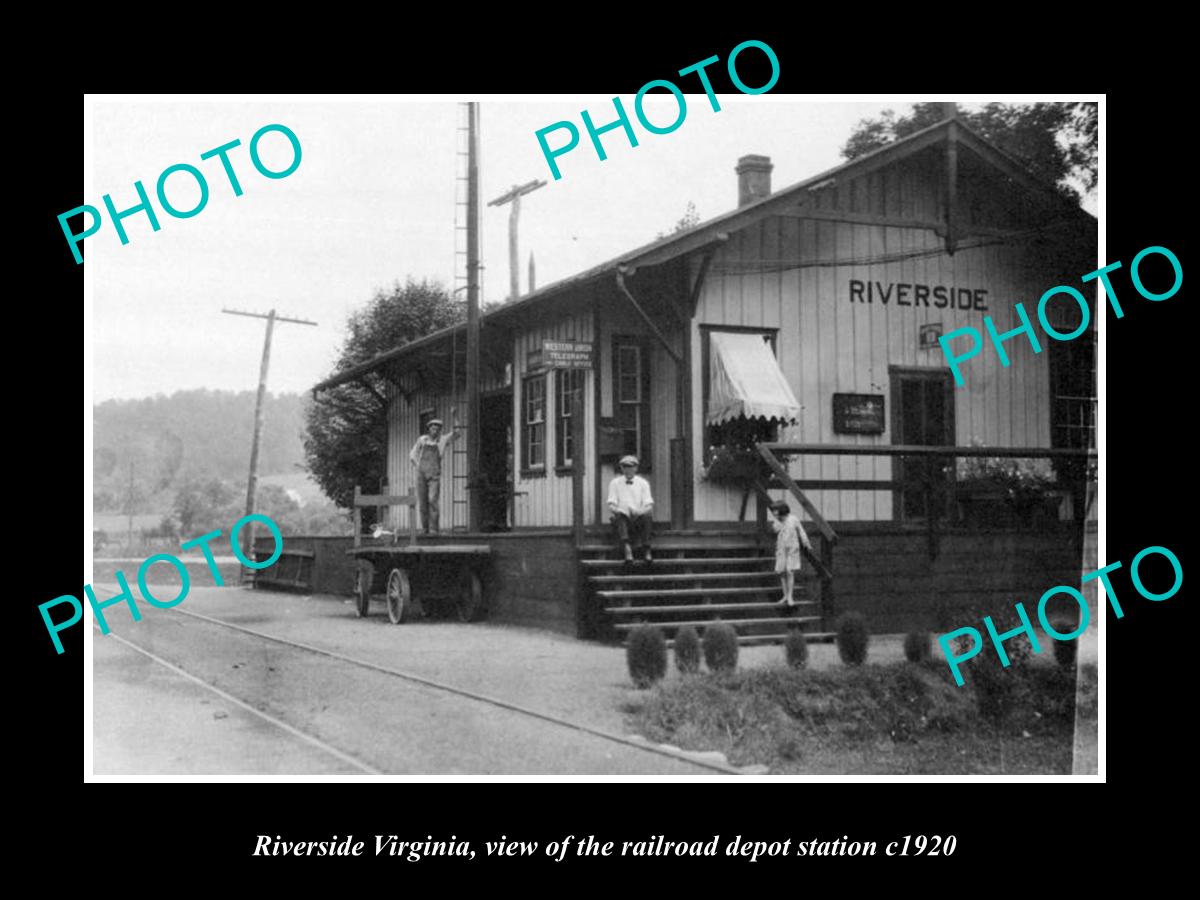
671,577
650,594
703,608
667,545
671,562
787,621
697,580
751,640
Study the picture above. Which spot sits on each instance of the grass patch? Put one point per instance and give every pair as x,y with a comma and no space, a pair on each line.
897,718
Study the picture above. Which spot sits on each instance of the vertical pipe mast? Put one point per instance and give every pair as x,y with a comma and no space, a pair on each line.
474,506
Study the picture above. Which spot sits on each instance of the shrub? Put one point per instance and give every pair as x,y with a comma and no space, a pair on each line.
687,650
646,654
795,648
918,646
1064,651
720,647
852,639
995,687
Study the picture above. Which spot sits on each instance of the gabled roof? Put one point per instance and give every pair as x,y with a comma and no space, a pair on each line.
716,229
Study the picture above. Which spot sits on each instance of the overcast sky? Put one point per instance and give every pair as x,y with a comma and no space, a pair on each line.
372,202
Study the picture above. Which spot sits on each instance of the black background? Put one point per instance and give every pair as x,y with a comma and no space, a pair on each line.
205,833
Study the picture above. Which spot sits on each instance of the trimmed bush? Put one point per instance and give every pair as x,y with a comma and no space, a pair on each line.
918,646
795,648
852,639
1064,651
687,650
720,647
646,654
996,687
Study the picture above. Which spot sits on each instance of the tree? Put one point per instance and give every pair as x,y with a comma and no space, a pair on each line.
689,221
202,504
345,441
1056,141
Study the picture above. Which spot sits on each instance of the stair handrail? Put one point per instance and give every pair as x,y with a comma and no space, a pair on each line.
824,571
781,473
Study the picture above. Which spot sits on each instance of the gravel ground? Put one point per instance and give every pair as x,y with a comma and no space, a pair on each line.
583,682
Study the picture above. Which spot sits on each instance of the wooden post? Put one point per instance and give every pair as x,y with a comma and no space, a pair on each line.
129,510
412,518
357,517
252,485
679,482
577,456
514,215
827,605
259,414
513,256
952,188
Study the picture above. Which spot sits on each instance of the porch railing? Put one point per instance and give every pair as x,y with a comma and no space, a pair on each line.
938,492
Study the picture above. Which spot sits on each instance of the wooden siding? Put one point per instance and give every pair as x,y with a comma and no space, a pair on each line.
663,404
888,576
403,430
793,274
547,497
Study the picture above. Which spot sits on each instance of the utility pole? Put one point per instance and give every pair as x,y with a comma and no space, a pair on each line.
514,197
129,509
475,503
259,412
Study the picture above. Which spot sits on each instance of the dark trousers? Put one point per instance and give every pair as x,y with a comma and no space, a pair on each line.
429,489
633,530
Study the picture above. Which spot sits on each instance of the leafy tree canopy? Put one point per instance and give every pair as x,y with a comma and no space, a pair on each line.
1056,141
345,441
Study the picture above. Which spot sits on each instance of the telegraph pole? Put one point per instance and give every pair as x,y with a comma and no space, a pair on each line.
514,197
259,413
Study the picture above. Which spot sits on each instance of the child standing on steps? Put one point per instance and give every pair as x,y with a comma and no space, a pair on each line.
791,536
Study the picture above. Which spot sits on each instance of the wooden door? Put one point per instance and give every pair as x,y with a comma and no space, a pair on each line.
922,415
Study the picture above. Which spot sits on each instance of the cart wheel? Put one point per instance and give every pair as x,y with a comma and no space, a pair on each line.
470,597
362,589
399,595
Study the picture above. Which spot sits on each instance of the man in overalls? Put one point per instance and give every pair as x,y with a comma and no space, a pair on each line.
426,457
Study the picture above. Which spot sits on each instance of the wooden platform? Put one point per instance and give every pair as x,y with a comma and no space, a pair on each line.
410,550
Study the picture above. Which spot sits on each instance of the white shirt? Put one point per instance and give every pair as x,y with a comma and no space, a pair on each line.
633,499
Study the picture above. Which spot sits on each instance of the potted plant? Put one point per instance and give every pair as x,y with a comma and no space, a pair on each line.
729,464
1004,491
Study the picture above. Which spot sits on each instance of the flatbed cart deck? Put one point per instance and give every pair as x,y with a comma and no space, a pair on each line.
412,575
409,575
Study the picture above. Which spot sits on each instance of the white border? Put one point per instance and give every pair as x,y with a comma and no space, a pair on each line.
88,166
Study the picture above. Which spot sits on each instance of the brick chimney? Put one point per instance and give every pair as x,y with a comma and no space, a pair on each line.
754,178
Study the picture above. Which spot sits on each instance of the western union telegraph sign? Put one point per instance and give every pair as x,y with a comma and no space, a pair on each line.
567,354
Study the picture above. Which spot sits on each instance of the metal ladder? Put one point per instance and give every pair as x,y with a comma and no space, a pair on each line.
459,494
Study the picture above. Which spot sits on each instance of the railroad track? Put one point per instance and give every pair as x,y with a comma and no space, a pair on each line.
353,759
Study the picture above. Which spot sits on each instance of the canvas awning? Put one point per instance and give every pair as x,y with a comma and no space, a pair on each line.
745,380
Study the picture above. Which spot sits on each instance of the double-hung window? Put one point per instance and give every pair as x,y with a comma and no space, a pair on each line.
568,390
533,420
631,397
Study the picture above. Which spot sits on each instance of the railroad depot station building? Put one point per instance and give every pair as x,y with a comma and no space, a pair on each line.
805,318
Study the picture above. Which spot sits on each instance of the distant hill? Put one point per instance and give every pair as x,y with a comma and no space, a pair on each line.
156,443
